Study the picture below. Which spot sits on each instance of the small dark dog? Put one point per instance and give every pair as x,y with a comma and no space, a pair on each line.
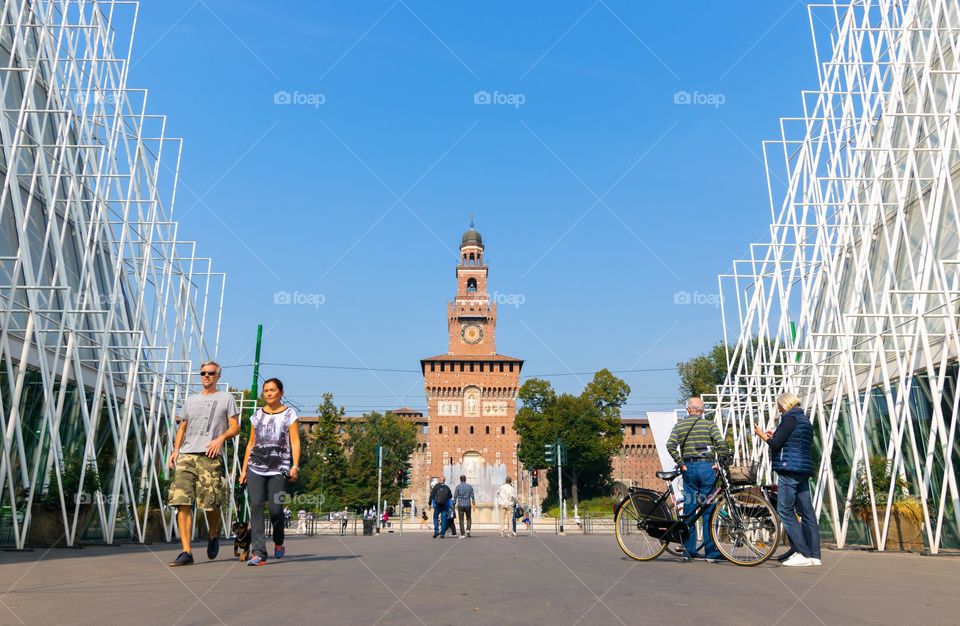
241,542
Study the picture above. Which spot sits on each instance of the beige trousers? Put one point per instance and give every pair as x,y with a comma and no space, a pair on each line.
506,519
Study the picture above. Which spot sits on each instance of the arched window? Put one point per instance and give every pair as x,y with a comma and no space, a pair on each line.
456,430
441,430
471,430
503,430
471,284
488,430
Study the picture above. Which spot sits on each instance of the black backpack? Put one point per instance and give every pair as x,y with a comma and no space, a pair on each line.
442,495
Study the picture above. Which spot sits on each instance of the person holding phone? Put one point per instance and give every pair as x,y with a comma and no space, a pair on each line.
791,455
272,456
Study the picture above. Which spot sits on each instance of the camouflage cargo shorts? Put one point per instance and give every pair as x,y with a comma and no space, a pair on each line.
198,479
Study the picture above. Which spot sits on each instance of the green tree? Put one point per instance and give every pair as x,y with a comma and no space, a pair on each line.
588,425
702,373
399,438
322,460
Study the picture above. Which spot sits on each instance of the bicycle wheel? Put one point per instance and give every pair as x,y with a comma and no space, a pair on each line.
630,530
745,528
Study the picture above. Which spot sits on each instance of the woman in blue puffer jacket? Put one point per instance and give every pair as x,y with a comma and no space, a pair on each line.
791,453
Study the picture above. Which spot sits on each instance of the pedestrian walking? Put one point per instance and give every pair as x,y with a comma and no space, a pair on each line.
207,420
690,438
423,519
791,453
506,501
451,518
465,500
344,517
439,496
273,455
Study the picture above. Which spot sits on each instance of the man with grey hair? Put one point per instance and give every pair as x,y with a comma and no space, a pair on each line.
207,420
690,439
506,503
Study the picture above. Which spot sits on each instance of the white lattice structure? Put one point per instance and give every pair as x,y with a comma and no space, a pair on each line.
104,311
853,303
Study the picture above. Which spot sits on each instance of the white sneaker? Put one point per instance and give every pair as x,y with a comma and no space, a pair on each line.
797,560
815,561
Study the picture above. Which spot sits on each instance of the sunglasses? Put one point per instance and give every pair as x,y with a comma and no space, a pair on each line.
208,373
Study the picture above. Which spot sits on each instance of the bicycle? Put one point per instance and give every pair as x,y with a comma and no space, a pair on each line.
745,526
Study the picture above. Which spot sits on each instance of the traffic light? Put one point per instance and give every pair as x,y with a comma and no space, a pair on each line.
400,477
548,453
535,480
407,477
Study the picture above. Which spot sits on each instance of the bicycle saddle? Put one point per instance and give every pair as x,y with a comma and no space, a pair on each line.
668,475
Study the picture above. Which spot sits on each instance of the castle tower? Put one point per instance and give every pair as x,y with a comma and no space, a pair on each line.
471,390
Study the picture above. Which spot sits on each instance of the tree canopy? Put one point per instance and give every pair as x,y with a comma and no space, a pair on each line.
588,425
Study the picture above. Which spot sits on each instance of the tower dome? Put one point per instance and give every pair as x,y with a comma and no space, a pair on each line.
471,238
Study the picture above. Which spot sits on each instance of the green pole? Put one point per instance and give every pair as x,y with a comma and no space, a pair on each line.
793,338
255,385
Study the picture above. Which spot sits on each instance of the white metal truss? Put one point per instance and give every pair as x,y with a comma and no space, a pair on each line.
104,311
853,302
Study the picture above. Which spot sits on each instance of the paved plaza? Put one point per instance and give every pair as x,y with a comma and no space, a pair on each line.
414,579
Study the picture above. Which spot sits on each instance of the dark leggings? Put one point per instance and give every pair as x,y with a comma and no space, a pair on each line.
270,487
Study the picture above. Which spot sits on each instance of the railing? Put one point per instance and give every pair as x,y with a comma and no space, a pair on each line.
319,526
597,525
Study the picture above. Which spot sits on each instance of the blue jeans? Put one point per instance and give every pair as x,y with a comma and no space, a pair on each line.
793,498
698,482
439,519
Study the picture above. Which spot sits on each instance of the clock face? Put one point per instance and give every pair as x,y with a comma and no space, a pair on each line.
471,333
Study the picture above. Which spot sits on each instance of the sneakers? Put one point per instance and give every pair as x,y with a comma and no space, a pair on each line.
786,555
213,547
184,558
714,560
814,561
435,535
501,535
798,560
469,535
279,551
256,560
513,534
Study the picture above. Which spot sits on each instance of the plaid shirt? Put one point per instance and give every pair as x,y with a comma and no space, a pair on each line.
463,495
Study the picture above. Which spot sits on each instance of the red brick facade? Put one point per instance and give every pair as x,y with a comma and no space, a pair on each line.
637,461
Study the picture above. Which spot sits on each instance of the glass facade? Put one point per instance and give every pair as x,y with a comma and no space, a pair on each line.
104,312
857,293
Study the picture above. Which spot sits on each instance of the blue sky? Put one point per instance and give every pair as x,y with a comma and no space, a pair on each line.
598,194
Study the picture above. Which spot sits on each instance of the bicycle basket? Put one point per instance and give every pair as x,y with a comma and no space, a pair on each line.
743,473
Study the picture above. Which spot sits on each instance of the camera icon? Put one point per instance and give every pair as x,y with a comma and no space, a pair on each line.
682,97
682,297
282,297
482,97
282,97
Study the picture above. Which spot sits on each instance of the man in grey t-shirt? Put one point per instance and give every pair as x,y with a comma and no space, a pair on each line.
207,420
